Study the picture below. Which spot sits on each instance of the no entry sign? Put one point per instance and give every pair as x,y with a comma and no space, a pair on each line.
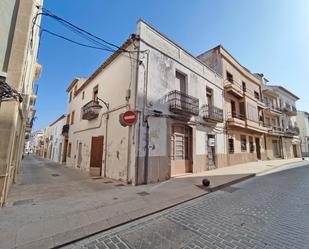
128,118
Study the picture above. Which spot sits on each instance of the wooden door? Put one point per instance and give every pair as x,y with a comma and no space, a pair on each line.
96,155
294,150
65,151
233,108
181,142
258,148
180,85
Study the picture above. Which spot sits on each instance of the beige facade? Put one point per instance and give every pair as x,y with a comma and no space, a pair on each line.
244,107
19,69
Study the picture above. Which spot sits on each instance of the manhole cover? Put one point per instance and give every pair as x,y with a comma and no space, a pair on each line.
230,189
143,193
22,202
119,185
55,174
106,182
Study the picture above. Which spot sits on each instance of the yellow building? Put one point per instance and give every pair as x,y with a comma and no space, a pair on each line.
18,70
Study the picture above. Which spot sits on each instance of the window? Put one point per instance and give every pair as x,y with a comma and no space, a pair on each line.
70,96
209,96
69,149
256,95
83,95
252,113
244,87
72,117
95,93
180,82
251,144
243,143
68,118
229,77
231,145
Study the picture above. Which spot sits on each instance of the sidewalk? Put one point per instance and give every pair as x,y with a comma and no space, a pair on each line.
57,215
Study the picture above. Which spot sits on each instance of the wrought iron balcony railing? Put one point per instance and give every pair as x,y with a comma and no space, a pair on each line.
91,110
182,103
237,115
292,130
212,113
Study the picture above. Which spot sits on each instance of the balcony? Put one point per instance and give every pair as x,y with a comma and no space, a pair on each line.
65,130
291,131
270,107
289,110
236,119
91,110
37,71
234,88
274,129
182,103
212,114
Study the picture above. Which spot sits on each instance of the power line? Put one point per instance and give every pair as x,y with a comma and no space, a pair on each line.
75,42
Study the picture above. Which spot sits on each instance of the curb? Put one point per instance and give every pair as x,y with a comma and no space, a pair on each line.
231,182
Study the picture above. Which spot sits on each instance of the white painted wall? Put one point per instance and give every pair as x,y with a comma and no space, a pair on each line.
58,140
113,83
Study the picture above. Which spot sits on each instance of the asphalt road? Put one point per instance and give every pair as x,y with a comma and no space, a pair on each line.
270,211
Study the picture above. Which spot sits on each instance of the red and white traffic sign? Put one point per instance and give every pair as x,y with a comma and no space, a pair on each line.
128,118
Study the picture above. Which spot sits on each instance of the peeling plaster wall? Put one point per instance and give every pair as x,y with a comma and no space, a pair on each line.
165,58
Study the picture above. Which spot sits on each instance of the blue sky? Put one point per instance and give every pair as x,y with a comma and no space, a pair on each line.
268,36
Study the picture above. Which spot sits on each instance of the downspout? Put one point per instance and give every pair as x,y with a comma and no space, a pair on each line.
146,161
105,149
139,122
145,119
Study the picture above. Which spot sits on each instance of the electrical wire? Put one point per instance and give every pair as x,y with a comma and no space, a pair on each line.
75,42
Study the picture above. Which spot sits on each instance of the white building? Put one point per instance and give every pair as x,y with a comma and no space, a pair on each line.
302,121
178,101
287,105
57,139
36,143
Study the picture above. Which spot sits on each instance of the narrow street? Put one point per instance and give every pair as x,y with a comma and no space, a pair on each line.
270,211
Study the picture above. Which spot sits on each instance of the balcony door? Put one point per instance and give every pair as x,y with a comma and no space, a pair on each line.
180,85
181,148
96,156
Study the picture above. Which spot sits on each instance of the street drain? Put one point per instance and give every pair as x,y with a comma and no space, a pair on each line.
22,202
230,189
55,174
143,193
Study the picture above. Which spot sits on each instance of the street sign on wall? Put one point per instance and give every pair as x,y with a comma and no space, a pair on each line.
128,118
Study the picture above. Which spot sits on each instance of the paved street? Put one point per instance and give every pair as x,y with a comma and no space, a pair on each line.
270,211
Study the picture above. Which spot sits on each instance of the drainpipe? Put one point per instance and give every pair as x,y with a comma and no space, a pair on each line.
106,129
139,121
146,161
